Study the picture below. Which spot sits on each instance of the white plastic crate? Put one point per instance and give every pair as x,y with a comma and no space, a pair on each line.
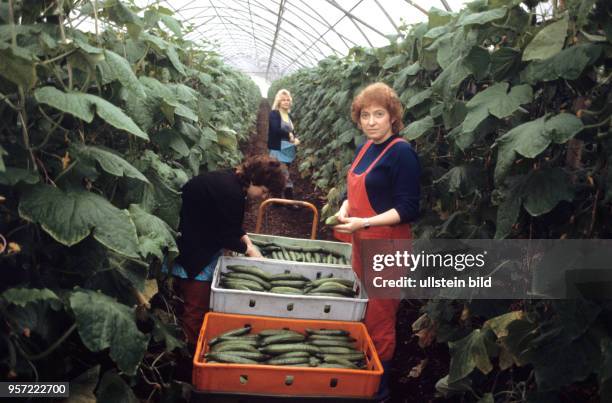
283,305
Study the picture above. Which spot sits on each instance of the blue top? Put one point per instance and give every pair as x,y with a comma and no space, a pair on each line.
277,130
394,180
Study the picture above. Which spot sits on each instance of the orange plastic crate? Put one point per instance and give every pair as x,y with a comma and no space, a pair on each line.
280,380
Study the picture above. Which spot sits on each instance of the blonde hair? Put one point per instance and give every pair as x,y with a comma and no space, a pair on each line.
278,96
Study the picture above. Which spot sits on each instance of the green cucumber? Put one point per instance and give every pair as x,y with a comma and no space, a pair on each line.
293,354
245,276
357,356
252,285
341,281
336,350
330,343
333,220
340,361
346,339
233,345
286,290
283,338
256,271
286,348
288,283
272,332
329,332
288,277
229,358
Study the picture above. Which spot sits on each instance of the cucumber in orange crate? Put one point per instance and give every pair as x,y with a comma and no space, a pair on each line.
285,348
283,338
229,358
329,332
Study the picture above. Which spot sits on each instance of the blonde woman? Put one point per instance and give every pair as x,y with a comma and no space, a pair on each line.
281,139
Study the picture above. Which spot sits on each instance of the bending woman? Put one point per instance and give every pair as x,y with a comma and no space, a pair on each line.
211,220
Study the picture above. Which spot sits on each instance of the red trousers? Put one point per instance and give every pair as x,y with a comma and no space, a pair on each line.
196,302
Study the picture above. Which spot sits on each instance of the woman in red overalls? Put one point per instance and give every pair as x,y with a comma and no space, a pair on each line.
382,198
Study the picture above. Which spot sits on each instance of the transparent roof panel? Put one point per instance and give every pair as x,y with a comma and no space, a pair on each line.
272,38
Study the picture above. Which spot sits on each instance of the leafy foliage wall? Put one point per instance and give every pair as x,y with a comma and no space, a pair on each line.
98,132
510,113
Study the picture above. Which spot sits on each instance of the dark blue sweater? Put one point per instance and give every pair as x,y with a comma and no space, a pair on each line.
394,180
276,133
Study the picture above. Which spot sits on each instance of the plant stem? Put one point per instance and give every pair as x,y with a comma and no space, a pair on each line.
51,348
95,10
12,23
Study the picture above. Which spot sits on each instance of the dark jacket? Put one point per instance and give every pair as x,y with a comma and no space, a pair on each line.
275,132
211,215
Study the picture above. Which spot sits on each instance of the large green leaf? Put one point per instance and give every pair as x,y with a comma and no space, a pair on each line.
416,129
482,17
497,101
504,61
75,104
169,333
170,107
499,324
531,138
12,176
81,105
469,353
450,79
581,10
171,140
568,64
154,234
71,216
123,72
104,323
460,179
115,116
545,189
18,65
173,24
174,59
548,42
478,61
394,61
23,296
509,208
133,271
438,17
109,161
113,389
419,98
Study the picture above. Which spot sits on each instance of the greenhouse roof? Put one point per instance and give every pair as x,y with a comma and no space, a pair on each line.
271,38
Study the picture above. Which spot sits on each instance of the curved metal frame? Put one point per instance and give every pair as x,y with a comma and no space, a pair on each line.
242,20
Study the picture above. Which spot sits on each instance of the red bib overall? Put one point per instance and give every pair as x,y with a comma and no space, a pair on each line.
381,313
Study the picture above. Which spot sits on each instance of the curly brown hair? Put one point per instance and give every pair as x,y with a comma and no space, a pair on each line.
383,95
262,170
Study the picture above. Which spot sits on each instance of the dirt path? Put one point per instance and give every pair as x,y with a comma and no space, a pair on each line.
279,220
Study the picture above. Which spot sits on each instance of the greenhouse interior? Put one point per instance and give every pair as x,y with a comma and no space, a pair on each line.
306,201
